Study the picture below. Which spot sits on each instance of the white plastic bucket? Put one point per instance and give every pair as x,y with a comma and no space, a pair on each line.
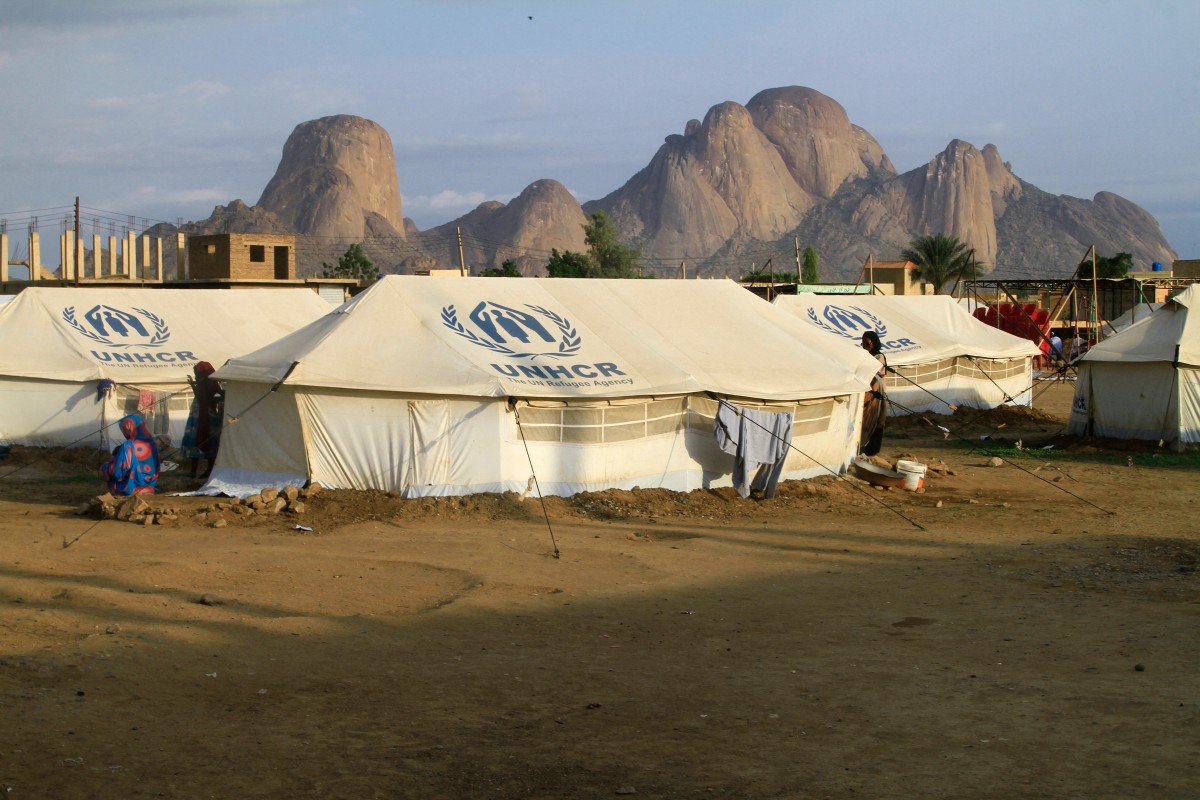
913,472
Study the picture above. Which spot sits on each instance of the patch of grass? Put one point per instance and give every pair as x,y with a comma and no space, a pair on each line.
87,477
1140,459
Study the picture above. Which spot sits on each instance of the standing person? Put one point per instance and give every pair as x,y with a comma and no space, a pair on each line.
875,402
133,467
202,435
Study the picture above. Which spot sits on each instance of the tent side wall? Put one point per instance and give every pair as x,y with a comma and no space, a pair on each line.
665,443
262,442
422,445
962,381
41,413
44,413
1134,401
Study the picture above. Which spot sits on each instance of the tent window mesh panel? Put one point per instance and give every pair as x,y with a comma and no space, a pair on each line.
604,424
809,417
979,369
624,421
156,407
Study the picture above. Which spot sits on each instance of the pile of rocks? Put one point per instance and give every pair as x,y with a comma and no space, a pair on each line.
139,510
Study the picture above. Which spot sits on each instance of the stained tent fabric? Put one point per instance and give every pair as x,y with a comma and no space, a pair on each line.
418,384
1144,382
940,354
79,358
1134,314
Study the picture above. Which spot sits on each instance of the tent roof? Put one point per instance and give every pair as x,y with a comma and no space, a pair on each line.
557,337
1156,337
142,335
914,330
1134,314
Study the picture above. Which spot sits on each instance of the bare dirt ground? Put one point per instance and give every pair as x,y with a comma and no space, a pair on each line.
1028,630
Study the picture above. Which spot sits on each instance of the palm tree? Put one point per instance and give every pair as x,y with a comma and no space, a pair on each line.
942,259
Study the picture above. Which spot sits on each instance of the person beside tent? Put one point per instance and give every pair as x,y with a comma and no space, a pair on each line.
202,435
1056,346
133,467
875,401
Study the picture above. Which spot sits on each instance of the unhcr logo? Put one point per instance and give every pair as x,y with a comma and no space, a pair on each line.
851,322
117,327
514,332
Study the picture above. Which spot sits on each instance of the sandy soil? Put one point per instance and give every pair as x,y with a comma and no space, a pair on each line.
1026,630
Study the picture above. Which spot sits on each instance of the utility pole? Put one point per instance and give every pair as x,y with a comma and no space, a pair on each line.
462,264
76,244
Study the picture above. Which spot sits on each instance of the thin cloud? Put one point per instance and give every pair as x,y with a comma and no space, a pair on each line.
203,90
117,102
61,14
449,198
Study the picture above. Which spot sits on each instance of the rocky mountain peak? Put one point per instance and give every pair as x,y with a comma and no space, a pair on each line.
787,166
337,179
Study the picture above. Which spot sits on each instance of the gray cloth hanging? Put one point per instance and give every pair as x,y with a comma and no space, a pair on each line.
758,442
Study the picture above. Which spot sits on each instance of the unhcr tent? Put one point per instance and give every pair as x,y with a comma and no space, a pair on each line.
418,385
1144,382
77,359
938,352
1137,312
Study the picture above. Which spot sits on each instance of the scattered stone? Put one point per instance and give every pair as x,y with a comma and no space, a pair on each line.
219,523
210,600
938,504
277,505
111,629
1139,667
297,507
626,790
130,506
268,494
996,461
313,490
291,492
84,509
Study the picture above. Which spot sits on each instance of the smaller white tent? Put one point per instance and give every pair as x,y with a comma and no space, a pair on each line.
1135,314
1144,382
77,359
939,354
448,386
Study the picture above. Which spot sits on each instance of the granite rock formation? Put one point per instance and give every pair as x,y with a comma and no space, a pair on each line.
543,217
337,179
751,180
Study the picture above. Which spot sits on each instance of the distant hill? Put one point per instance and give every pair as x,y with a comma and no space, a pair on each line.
747,180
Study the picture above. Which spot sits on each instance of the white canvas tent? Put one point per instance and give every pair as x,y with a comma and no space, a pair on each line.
412,386
60,344
1134,314
1144,382
940,354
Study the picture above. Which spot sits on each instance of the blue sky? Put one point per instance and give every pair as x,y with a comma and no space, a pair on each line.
161,110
